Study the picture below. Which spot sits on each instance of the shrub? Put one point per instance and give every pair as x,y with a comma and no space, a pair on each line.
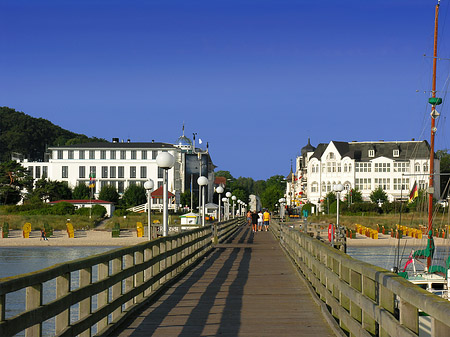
62,208
99,210
121,212
366,207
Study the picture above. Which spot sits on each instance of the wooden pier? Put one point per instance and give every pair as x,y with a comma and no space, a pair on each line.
245,287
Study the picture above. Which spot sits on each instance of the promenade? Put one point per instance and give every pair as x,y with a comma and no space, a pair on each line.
245,287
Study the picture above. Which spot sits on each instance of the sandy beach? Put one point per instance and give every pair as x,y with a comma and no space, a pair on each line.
129,237
82,238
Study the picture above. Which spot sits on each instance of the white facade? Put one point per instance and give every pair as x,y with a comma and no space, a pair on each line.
365,166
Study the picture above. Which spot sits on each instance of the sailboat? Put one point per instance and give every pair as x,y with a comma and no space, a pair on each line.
435,279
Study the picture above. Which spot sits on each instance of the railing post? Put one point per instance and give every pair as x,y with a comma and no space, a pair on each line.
102,298
116,289
369,288
387,302
139,277
2,307
62,320
409,315
33,301
129,281
439,329
355,283
85,306
344,275
148,273
156,266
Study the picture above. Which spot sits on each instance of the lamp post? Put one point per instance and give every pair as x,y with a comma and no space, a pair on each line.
149,187
282,201
228,195
224,200
219,190
202,182
338,189
234,202
166,161
239,205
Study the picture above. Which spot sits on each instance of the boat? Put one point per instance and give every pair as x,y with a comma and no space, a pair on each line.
434,278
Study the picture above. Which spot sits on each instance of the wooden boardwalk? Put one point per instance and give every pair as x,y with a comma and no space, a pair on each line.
245,287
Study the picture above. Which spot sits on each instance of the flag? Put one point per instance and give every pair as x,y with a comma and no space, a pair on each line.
414,193
92,180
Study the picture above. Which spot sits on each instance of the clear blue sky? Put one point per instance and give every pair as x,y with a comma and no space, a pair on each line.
255,79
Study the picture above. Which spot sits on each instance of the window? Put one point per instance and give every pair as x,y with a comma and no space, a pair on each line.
30,171
103,183
401,184
91,154
120,186
112,154
104,171
328,187
38,172
92,170
123,154
349,167
345,167
112,171
329,167
103,154
60,154
363,167
160,172
133,154
121,172
371,153
314,187
160,183
82,172
396,153
65,172
81,154
143,154
132,171
382,167
44,171
324,187
417,167
143,171
154,154
323,168
401,167
384,183
363,184
330,155
339,168
70,153
425,167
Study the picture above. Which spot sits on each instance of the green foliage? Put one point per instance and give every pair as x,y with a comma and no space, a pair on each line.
308,207
354,195
327,201
30,136
363,207
185,199
99,211
378,195
395,207
62,208
81,192
240,194
52,190
270,197
13,178
121,212
134,195
109,193
9,195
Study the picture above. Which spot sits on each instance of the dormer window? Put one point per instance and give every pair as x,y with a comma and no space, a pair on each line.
396,153
371,153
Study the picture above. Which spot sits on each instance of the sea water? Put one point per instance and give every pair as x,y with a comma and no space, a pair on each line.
21,260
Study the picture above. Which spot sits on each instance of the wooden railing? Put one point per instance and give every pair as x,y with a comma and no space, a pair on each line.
364,299
110,286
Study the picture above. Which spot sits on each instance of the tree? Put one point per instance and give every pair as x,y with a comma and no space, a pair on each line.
81,192
134,195
378,195
13,178
327,201
109,193
354,195
241,195
185,199
270,197
52,190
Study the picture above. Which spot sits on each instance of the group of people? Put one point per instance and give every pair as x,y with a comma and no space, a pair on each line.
258,220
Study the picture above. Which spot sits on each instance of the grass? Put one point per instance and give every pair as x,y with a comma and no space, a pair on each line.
130,220
58,222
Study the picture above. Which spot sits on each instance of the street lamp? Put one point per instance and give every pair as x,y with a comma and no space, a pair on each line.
149,184
202,182
228,195
220,191
338,189
282,201
166,161
234,202
224,200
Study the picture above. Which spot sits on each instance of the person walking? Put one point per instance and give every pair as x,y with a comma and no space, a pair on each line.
249,217
254,221
260,221
266,219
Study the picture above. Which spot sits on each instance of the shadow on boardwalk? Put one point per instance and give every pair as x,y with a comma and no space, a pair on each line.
236,291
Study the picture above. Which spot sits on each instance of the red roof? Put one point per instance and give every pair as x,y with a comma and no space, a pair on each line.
220,181
82,201
158,193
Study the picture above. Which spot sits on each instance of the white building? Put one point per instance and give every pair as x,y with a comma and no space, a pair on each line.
121,164
365,166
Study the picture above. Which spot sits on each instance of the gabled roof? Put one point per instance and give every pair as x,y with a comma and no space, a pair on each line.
320,149
158,193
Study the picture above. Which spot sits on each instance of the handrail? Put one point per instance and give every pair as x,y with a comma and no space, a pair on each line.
366,300
125,279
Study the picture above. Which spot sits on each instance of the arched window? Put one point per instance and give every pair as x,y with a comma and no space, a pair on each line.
425,167
417,167
314,187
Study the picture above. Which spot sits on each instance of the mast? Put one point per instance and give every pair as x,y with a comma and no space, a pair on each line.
434,114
